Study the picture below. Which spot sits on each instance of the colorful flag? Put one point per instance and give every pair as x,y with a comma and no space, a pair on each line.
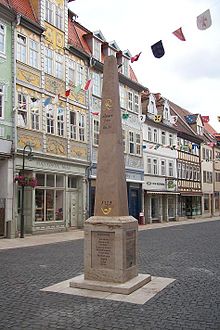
191,119
77,89
157,118
47,101
173,119
95,113
158,49
135,58
33,99
125,116
87,85
179,34
204,21
142,118
205,119
120,65
60,111
56,99
67,93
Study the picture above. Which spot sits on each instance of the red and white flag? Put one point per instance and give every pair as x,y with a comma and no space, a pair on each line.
87,85
135,58
205,119
179,34
67,93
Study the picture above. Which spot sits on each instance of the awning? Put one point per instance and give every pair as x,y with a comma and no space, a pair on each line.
191,193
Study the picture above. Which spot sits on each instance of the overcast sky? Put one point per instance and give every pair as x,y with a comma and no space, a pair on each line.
189,72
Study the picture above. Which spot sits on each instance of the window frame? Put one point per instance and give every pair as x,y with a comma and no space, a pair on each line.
3,34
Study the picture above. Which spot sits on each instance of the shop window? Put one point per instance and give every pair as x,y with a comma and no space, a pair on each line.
49,205
59,181
39,204
72,182
40,179
59,205
216,200
50,180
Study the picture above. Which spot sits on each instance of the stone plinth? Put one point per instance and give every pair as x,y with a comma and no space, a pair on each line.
110,249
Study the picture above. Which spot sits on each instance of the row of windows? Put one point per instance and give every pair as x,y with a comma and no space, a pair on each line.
29,116
188,172
166,168
153,135
132,144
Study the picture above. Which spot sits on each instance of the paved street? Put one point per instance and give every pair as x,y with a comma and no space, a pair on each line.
189,253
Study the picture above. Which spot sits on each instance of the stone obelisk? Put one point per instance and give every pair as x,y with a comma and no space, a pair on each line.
110,244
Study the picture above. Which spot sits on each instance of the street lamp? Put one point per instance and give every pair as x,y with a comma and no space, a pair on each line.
30,156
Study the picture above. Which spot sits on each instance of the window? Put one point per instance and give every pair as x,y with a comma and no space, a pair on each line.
21,48
49,12
170,169
131,143
35,116
123,102
60,124
163,138
49,197
190,173
200,130
155,135
149,134
170,139
1,101
183,171
136,103
206,202
125,67
81,127
50,122
96,86
48,61
33,53
124,139
155,166
130,101
163,167
179,171
138,144
2,38
79,74
59,66
59,18
149,166
96,132
97,49
73,125
72,72
166,113
22,110
187,172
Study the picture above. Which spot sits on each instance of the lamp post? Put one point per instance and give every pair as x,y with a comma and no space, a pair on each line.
30,155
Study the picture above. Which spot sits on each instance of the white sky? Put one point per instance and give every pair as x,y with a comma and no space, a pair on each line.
189,72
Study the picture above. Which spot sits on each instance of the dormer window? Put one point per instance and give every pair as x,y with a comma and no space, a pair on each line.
125,66
152,105
96,49
166,111
199,130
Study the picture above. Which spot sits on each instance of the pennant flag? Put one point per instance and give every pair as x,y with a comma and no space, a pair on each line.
144,147
67,93
157,146
77,89
191,119
87,85
204,21
120,65
60,110
49,108
205,119
125,116
135,58
47,101
179,34
95,113
142,118
218,118
157,118
158,49
33,99
173,119
56,99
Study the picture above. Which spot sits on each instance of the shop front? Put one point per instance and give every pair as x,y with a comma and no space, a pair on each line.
190,205
57,201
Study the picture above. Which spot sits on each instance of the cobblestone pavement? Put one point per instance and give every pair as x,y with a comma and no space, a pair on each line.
188,253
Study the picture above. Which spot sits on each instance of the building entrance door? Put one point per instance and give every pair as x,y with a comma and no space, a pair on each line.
73,208
2,216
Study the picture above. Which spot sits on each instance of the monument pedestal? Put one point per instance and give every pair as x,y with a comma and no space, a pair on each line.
110,256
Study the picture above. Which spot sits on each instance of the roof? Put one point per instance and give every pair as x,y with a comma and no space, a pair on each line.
22,7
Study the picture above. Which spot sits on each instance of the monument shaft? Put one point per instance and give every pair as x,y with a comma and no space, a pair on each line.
111,190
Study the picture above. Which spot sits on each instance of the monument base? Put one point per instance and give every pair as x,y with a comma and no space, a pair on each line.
122,288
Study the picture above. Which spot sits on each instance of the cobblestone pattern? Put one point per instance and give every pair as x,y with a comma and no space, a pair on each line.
189,253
